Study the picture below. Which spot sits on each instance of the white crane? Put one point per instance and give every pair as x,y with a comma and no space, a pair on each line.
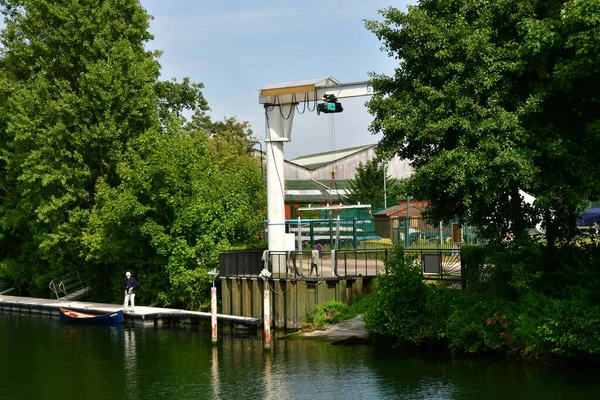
280,101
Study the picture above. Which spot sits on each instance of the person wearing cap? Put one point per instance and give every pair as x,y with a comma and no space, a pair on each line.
130,285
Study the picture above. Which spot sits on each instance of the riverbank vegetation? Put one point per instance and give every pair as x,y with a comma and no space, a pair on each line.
492,101
335,311
100,171
520,301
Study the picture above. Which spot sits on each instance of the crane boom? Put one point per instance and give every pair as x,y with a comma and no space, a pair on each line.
295,92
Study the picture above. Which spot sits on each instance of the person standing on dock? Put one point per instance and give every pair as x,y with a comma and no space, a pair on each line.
314,262
130,285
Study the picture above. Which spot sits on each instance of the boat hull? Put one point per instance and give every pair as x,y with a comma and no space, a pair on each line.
67,315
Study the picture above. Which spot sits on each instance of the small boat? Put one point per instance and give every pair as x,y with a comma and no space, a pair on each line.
76,316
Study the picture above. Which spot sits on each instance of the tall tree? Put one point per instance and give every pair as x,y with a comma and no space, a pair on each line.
78,85
372,185
493,96
183,197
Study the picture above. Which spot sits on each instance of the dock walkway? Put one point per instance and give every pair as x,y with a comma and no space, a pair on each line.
142,315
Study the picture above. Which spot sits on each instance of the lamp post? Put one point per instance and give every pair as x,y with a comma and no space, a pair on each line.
384,186
262,174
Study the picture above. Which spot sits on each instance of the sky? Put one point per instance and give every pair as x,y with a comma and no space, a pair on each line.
236,47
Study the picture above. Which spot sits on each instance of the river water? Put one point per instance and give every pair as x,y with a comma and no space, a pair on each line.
40,358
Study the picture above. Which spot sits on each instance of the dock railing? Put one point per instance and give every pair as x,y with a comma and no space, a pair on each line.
70,285
436,264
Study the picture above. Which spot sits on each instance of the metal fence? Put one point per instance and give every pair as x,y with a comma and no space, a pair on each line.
418,233
369,233
436,264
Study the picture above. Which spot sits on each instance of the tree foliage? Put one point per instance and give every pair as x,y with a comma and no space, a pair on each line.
368,185
81,85
179,203
98,167
493,96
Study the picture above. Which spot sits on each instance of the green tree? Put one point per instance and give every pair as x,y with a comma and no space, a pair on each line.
368,185
181,200
77,86
493,96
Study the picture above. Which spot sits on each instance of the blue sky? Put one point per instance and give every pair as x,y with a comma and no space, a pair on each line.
236,47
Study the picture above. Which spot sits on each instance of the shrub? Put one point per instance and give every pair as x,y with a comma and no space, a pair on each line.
399,299
334,311
558,328
527,301
479,323
329,313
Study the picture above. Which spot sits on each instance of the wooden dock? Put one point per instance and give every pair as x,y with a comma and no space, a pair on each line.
142,315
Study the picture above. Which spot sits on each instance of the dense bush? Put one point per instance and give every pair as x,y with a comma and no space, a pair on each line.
513,305
399,301
558,328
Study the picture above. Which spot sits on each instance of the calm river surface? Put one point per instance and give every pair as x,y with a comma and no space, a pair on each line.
40,358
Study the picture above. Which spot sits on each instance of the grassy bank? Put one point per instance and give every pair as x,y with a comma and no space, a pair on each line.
333,312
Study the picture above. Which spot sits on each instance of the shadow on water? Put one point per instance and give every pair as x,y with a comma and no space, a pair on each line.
53,361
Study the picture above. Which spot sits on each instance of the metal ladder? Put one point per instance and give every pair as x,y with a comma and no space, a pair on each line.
70,286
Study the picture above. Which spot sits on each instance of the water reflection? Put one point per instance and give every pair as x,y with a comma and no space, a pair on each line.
130,363
148,363
270,391
275,382
214,374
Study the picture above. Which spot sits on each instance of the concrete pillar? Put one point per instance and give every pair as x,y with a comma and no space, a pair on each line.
279,120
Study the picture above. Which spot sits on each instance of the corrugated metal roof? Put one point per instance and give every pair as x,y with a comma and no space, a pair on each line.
314,161
300,191
304,192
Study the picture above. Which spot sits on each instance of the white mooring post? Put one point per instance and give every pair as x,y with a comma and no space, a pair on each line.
267,321
213,312
265,274
213,304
